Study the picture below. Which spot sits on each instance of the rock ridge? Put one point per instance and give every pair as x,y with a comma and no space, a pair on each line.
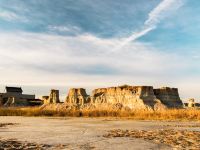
125,96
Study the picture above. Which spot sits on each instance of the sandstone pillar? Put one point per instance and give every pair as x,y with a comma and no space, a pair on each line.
77,96
54,96
191,103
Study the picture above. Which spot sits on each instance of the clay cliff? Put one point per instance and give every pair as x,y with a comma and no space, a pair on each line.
169,97
16,102
77,96
122,97
132,97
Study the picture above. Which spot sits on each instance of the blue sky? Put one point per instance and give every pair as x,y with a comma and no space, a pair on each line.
92,43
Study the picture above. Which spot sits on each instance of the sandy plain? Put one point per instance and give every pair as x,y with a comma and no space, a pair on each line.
96,133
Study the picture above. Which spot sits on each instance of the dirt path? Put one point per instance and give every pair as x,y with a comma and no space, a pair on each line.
85,133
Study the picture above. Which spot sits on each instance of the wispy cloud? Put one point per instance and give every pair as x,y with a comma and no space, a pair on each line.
161,11
64,29
8,15
44,59
80,54
11,16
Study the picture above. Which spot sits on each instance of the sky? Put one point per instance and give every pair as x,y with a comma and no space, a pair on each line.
48,44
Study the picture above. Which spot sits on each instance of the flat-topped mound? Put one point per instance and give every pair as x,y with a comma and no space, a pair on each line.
125,96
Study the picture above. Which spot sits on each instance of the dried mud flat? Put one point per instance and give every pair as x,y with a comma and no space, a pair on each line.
177,139
12,144
96,134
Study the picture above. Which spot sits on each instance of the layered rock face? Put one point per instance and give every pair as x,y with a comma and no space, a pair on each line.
77,96
133,97
169,97
53,98
12,101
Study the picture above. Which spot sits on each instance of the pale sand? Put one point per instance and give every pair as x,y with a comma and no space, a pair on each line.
85,133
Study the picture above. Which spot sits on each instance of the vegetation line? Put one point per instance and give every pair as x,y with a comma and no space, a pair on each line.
171,114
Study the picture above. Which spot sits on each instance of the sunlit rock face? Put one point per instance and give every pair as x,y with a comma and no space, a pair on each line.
169,97
191,103
45,99
77,96
122,97
134,97
53,98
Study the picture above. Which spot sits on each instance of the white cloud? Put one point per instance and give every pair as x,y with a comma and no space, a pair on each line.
155,16
25,48
47,60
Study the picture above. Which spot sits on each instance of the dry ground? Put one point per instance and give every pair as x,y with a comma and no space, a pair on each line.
98,133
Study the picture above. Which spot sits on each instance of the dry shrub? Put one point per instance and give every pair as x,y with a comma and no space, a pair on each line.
169,114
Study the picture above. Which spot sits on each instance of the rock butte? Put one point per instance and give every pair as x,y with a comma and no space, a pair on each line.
121,97
126,97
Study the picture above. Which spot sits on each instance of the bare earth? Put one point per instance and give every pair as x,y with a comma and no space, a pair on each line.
93,133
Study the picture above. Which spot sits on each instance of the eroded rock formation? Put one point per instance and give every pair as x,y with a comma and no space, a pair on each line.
12,101
77,96
53,98
191,103
13,96
169,97
133,97
45,99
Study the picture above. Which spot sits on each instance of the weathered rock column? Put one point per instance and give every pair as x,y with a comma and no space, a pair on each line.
54,96
191,103
77,96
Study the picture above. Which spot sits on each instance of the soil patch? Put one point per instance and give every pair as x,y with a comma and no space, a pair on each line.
178,139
